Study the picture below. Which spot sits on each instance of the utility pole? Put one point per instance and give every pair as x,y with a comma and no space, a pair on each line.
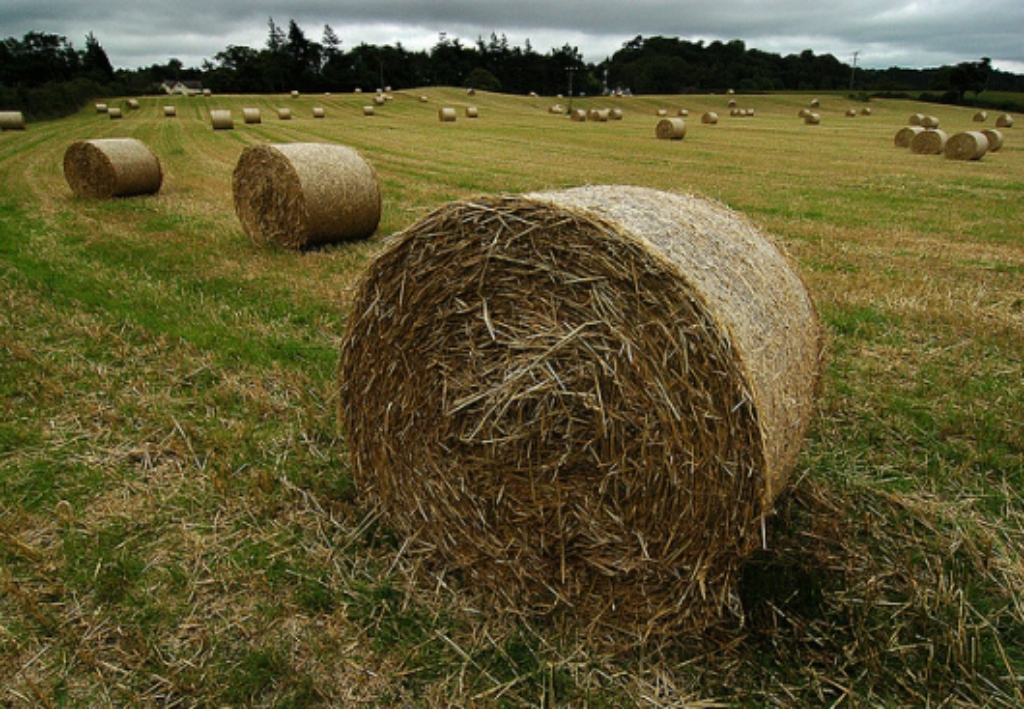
853,69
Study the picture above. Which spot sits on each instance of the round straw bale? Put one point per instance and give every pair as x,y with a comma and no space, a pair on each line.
285,114
866,111
556,109
683,113
101,108
170,111
851,112
471,92
906,134
368,110
601,115
931,141
579,115
379,100
803,113
980,117
424,99
318,112
472,112
220,119
815,103
114,113
812,119
357,90
251,115
586,399
615,114
446,114
111,167
915,119
710,118
299,195
750,112
1004,120
295,94
662,112
995,139
968,145
671,129
133,104
12,120
732,103
930,122
207,93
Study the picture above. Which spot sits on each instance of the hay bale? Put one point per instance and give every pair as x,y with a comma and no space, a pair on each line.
111,167
133,104
866,111
12,120
170,111
929,122
368,110
915,119
662,112
968,145
586,399
295,94
579,115
851,113
709,118
446,114
299,195
284,114
557,109
424,99
683,113
220,119
670,129
930,141
472,112
812,119
101,108
980,117
732,103
252,116
114,113
815,103
318,112
379,100
207,93
803,113
615,114
357,90
471,92
600,115
1005,120
905,135
995,139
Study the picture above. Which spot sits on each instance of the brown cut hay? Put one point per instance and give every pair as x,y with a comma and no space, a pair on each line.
101,108
379,100
710,118
284,114
929,122
905,135
170,111
299,195
732,103
446,114
114,113
295,94
12,120
812,119
968,145
579,115
368,110
207,93
318,112
670,129
133,104
252,116
424,99
472,112
1004,120
980,117
866,111
995,139
600,115
615,114
662,112
915,119
929,142
220,119
584,400
851,113
815,103
111,167
683,113
803,113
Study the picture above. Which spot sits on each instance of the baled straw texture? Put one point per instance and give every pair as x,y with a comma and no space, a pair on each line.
615,114
133,104
579,115
318,112
812,118
220,119
710,118
929,142
670,129
968,145
930,122
101,108
368,110
995,139
114,113
557,109
980,117
111,167
1005,120
915,119
252,116
472,112
12,120
905,135
300,195
446,114
583,400
284,114
170,111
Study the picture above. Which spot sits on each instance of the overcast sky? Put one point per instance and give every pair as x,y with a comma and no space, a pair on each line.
884,33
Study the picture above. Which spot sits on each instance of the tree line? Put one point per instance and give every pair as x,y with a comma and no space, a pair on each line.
43,74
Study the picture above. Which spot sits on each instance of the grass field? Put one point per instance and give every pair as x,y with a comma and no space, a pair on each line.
178,526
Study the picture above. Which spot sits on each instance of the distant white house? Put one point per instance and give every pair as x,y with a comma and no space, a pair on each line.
184,88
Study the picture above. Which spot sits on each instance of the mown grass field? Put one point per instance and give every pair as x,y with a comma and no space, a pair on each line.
178,526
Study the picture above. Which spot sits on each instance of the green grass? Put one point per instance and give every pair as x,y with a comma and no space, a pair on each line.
178,525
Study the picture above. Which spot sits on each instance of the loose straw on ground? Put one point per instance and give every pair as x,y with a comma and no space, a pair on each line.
111,167
300,195
584,400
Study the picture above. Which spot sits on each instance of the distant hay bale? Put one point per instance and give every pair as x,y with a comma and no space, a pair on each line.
905,135
368,110
379,100
803,113
968,145
114,113
251,116
812,118
111,167
815,103
736,112
601,115
101,108
866,111
12,120
995,139
851,112
557,109
133,104
284,114
710,118
980,117
1004,120
446,114
750,113
300,195
295,94
170,111
615,114
732,103
424,99
915,119
586,399
579,115
220,119
471,92
662,112
683,113
318,112
207,93
472,112
929,122
357,90
931,141
671,129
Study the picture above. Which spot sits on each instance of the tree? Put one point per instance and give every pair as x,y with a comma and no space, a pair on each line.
95,61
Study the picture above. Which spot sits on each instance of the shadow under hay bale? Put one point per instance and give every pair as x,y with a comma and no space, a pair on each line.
300,195
111,167
584,400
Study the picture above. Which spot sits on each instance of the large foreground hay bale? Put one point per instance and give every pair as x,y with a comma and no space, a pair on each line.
252,116
299,195
111,167
968,145
220,119
995,139
12,120
1004,120
670,129
905,135
586,399
928,142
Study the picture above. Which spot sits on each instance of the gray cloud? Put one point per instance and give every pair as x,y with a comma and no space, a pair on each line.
909,33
